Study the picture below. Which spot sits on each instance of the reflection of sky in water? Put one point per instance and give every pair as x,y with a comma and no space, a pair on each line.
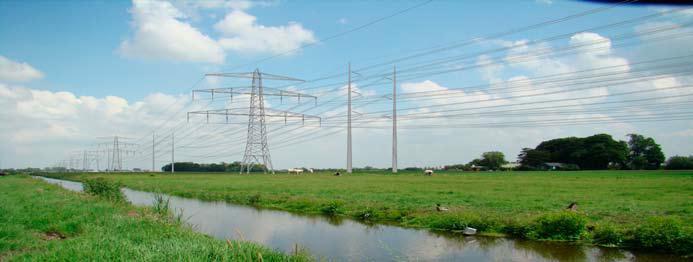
345,239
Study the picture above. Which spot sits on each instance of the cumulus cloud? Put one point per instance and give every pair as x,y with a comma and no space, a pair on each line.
241,33
40,126
14,71
162,34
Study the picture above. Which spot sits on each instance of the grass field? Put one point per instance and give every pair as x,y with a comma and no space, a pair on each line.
617,202
42,222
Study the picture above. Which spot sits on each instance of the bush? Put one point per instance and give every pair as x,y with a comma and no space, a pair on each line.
366,214
607,235
254,200
103,188
565,225
663,233
332,208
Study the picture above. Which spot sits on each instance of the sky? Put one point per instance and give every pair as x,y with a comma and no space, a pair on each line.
73,73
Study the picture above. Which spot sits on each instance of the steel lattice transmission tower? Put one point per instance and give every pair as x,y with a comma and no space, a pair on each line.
256,147
115,151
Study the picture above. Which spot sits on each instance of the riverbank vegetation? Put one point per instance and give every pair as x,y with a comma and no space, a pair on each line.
641,209
43,222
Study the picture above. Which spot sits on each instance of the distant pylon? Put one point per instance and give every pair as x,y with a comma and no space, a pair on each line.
256,148
115,151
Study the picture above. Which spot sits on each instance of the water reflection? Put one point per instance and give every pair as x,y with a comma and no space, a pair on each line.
349,240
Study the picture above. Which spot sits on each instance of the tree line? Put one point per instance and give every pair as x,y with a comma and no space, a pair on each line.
596,152
213,167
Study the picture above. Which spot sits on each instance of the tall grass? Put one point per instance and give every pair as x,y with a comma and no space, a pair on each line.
162,206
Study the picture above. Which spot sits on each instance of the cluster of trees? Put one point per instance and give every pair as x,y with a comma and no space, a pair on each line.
221,167
680,163
492,160
599,151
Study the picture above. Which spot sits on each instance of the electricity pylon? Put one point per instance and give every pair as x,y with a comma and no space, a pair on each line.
88,157
115,151
256,148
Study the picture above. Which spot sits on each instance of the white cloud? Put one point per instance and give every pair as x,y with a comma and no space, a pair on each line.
241,33
40,127
17,71
161,34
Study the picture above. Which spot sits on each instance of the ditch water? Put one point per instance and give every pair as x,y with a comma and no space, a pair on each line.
349,240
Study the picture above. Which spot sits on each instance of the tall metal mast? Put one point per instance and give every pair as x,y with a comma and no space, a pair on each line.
173,154
349,166
394,119
153,152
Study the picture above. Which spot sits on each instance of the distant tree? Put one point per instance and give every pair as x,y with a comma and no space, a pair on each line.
563,150
491,160
532,158
644,152
601,150
679,163
592,152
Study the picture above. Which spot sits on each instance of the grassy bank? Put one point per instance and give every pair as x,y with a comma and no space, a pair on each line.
40,222
643,209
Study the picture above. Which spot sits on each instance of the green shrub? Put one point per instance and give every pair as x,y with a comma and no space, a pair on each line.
254,200
332,208
565,225
103,188
665,234
366,214
607,235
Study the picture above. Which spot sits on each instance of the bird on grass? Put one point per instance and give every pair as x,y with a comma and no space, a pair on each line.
441,208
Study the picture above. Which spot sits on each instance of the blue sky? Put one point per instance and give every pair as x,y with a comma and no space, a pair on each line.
75,42
128,58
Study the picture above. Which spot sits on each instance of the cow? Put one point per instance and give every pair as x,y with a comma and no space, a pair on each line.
428,172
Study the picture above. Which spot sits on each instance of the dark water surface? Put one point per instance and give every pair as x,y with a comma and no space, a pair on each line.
348,240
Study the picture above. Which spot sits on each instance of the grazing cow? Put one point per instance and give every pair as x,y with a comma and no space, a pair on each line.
428,172
337,174
296,171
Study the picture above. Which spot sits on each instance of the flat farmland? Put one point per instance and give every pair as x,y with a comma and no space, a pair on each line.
617,197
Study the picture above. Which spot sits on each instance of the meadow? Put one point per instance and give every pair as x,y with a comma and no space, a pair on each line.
613,207
43,222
